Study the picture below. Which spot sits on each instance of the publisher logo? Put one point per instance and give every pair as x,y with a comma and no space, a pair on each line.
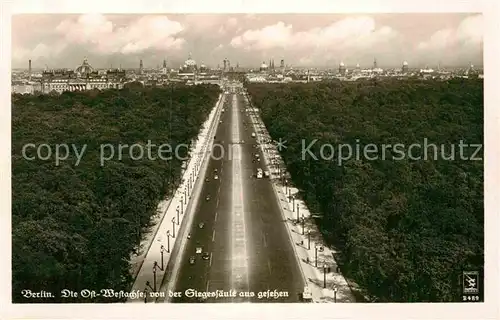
470,282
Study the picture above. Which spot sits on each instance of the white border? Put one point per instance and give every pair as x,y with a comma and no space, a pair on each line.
487,310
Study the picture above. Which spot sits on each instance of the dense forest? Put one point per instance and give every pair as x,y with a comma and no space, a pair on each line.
406,227
74,225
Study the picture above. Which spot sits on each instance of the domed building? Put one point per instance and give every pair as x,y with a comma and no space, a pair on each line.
189,69
342,69
189,66
85,69
83,77
405,67
263,67
203,68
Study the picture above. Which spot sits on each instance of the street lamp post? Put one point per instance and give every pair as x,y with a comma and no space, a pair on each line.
335,294
308,239
185,197
303,222
162,249
168,241
182,206
286,186
324,275
297,212
173,227
149,285
316,255
154,275
177,210
293,202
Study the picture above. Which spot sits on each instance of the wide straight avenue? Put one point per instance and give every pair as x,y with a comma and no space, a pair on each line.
238,242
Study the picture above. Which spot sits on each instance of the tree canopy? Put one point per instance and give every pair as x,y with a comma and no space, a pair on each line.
406,228
75,226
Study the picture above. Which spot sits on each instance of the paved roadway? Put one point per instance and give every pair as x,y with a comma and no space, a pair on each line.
243,232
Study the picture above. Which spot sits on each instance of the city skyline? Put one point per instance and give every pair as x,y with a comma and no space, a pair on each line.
305,40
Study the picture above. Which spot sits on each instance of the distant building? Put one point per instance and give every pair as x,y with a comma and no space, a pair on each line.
471,71
85,69
164,68
358,68
405,67
427,70
84,77
263,67
342,69
189,70
27,88
227,65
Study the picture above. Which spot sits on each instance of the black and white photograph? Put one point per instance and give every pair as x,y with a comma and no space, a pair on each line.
272,158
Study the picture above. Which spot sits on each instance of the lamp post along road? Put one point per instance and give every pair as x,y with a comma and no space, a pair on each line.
168,241
162,249
154,276
335,294
325,270
177,210
324,275
308,239
182,206
173,227
303,222
293,202
316,255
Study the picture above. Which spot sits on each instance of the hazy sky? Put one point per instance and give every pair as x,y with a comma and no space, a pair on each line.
63,40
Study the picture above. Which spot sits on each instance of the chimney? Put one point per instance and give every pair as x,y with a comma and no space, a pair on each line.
29,70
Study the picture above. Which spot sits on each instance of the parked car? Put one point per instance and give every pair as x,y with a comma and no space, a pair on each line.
205,256
192,259
199,250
